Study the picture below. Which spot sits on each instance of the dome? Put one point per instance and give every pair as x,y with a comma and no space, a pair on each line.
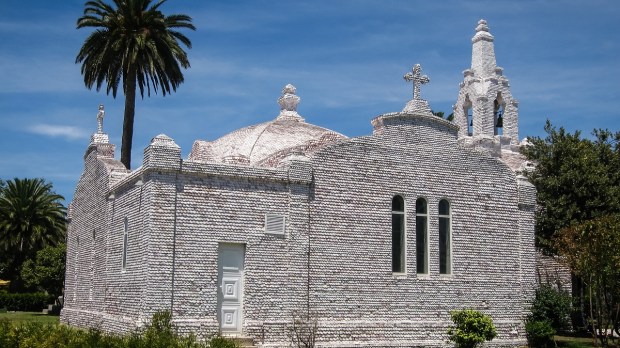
267,144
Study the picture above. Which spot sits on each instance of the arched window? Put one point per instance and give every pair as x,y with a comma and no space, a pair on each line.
445,247
498,115
398,234
421,235
469,114
125,227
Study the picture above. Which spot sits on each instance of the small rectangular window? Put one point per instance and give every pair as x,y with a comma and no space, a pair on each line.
275,224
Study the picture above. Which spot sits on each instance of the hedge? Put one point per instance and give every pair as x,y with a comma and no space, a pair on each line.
32,302
160,333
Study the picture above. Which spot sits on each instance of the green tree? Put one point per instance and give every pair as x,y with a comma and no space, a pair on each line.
577,179
47,271
441,114
552,305
31,217
134,44
591,251
550,313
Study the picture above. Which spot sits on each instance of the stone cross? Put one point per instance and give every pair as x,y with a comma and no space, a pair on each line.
417,78
100,115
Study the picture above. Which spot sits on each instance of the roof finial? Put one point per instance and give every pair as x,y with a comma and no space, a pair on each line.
288,104
417,105
418,80
483,53
100,115
482,26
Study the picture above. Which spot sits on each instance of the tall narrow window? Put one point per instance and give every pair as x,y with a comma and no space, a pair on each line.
421,235
469,114
498,115
398,234
445,252
125,243
75,267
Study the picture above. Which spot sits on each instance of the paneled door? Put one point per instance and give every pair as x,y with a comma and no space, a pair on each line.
230,292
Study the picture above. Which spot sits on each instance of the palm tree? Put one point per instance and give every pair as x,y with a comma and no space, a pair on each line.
134,43
31,216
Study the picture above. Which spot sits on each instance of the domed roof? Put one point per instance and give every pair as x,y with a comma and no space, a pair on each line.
267,144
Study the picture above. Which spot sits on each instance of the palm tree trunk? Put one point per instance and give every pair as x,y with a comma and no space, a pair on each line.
130,108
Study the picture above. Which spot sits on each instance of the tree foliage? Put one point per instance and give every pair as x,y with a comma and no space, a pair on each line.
135,44
591,251
31,218
552,305
31,215
441,114
577,179
47,271
550,313
471,329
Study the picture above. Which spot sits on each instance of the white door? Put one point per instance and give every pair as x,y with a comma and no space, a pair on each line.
230,292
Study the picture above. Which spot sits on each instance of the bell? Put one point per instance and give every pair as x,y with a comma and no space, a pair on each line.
500,122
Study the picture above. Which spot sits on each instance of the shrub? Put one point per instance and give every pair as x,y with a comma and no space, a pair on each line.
304,330
553,306
222,342
472,328
539,333
159,333
33,302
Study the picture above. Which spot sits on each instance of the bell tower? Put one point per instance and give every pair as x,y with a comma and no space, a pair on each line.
485,110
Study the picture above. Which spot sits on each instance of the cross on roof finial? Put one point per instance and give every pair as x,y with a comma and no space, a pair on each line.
418,80
100,115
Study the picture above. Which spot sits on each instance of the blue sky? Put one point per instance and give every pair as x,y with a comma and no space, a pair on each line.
346,58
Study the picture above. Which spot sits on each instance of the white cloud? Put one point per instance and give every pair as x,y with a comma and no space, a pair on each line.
69,132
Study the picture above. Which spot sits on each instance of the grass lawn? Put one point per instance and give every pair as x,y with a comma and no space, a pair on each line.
578,342
30,317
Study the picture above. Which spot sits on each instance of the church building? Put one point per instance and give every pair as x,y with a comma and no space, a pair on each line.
371,241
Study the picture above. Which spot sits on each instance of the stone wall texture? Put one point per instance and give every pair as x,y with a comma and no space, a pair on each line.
334,260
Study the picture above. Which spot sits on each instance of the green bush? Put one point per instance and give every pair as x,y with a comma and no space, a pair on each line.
472,328
222,342
159,333
539,333
32,302
553,306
